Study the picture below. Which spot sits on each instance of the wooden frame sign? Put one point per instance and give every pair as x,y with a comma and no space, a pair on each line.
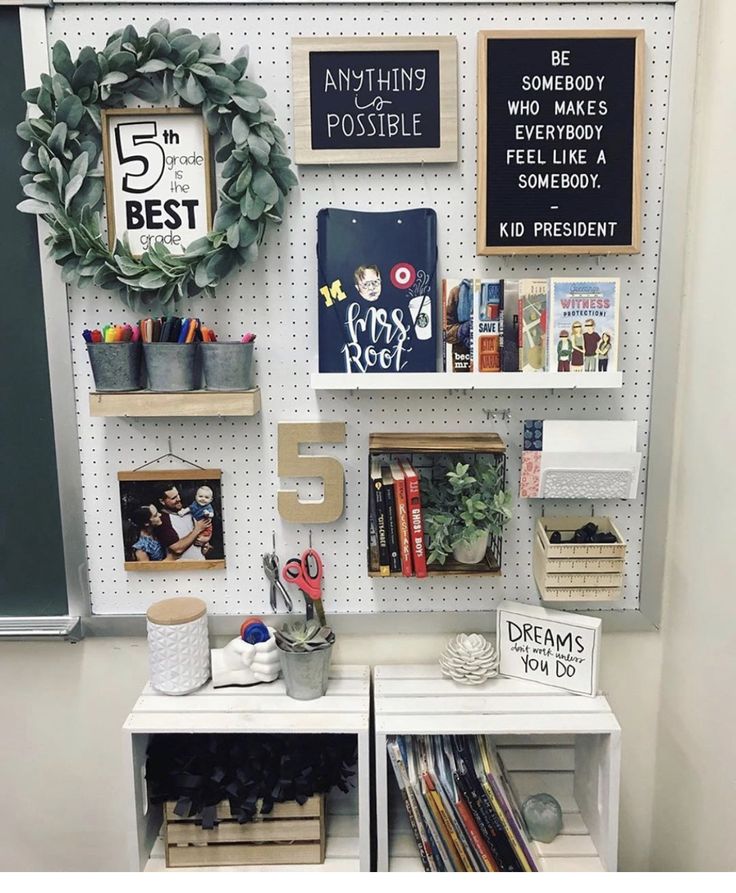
377,100
559,142
158,186
550,647
172,519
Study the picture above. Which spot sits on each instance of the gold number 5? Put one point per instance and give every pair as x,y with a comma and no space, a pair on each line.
292,463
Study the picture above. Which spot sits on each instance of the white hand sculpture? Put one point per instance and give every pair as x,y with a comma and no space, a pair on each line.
239,663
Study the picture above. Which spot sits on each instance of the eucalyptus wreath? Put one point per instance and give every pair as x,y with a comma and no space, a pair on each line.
63,179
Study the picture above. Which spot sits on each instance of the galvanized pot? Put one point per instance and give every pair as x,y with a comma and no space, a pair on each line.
305,672
171,367
116,366
227,365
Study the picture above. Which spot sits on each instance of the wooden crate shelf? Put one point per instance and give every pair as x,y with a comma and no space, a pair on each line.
289,834
143,404
344,709
564,744
423,449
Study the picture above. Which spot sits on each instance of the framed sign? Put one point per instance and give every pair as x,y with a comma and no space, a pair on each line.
559,142
172,519
551,647
377,100
157,177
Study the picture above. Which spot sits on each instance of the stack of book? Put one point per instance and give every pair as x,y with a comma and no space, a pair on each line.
530,325
396,525
460,804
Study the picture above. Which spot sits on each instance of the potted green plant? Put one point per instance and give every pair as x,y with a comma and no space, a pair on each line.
305,651
463,508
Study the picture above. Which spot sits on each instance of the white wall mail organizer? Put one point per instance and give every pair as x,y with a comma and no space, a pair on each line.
277,300
550,741
345,709
581,460
549,647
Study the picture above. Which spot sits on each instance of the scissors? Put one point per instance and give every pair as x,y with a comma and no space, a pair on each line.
307,572
271,570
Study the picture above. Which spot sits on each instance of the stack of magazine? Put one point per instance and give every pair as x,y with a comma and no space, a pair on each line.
460,804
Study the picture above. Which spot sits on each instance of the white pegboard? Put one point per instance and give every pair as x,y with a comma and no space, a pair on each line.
277,300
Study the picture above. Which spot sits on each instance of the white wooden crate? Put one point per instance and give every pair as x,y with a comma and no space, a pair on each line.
563,744
345,709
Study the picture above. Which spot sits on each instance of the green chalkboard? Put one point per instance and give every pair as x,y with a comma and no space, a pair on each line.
32,579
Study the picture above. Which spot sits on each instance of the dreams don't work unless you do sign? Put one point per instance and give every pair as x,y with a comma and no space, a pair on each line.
374,99
550,647
157,177
559,142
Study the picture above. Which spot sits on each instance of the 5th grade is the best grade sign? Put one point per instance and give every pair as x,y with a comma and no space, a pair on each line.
157,177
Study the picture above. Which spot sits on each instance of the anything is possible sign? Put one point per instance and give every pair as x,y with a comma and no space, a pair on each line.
551,647
375,99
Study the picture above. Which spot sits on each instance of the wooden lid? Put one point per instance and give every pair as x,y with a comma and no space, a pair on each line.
172,611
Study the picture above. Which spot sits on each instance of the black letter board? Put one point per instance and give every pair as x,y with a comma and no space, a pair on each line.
559,142
375,100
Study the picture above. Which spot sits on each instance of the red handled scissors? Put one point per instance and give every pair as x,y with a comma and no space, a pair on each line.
307,573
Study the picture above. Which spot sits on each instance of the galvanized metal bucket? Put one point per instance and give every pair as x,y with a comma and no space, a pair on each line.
171,367
227,365
116,366
306,672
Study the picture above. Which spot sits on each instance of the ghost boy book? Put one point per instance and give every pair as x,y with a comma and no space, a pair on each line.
377,290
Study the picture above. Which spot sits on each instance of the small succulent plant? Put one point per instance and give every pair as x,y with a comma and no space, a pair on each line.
296,635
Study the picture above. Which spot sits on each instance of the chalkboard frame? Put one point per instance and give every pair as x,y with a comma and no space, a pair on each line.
634,246
302,47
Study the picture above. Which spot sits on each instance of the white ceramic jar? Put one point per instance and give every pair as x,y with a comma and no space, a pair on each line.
178,645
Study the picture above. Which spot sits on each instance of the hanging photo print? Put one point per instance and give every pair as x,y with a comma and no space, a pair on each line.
377,291
172,519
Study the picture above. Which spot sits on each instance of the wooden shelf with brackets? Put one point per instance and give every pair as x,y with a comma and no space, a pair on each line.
182,403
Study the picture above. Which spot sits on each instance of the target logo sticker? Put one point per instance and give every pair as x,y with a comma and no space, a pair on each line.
403,275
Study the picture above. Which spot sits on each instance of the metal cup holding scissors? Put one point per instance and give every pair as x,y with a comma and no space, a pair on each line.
307,573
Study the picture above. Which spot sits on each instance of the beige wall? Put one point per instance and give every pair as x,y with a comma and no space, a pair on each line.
61,772
694,815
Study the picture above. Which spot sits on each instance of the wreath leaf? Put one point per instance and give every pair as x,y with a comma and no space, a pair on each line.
63,180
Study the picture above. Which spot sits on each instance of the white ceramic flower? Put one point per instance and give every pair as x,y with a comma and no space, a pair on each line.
470,659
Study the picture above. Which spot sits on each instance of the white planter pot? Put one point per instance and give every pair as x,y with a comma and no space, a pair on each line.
474,551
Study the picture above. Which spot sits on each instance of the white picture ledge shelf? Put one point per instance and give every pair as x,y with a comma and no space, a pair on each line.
460,381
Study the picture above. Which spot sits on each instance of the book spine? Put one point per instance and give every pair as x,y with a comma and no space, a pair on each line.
373,552
392,531
402,521
425,851
448,835
416,525
481,847
489,824
513,833
381,527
